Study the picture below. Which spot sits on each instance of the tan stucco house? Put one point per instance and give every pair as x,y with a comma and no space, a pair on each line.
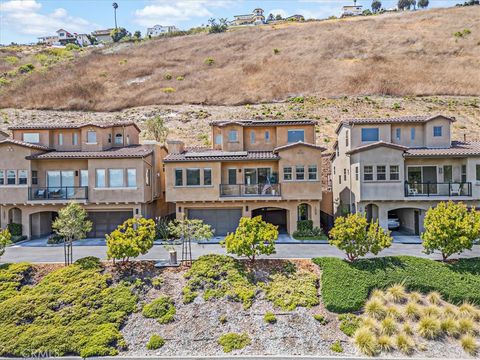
268,168
400,167
99,165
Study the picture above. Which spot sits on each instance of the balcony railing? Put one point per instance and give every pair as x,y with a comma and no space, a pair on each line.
58,193
242,190
450,189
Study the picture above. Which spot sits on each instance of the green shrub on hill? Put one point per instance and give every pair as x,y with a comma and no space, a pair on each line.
346,286
12,278
155,342
233,341
162,309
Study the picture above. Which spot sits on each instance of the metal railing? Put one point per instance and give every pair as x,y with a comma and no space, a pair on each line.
449,189
58,193
243,190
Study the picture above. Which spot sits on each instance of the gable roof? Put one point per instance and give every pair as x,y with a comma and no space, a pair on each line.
208,154
393,120
299,143
24,144
262,122
133,151
102,125
376,145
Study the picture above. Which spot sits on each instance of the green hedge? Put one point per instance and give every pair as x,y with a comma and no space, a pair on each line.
346,286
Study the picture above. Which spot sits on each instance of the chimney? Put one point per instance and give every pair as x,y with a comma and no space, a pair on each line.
175,146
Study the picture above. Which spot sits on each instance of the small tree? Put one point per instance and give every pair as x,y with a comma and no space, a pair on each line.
270,17
252,237
450,228
278,17
404,4
423,4
156,129
376,5
219,27
188,230
118,34
71,224
134,237
137,34
354,235
5,239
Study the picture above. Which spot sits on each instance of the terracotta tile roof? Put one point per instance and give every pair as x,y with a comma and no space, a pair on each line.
458,148
392,120
204,154
134,151
299,143
102,125
377,144
24,144
263,122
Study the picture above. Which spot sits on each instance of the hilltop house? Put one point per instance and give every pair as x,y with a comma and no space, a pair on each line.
101,166
64,37
267,168
352,10
48,40
158,30
400,167
255,18
103,36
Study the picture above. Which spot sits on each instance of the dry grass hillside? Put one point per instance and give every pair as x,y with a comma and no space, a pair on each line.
414,53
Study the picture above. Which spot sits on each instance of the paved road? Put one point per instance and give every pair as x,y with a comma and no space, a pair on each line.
158,252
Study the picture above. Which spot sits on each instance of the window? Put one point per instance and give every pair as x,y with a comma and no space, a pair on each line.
398,133
381,172
437,131
356,173
178,177
296,136
193,177
477,168
299,172
232,176
207,176
368,173
60,139
233,136
267,136
287,173
218,139
2,177
337,151
464,173
115,178
11,177
412,134
344,174
34,177
91,137
394,172
252,137
109,138
370,134
312,172
118,139
75,139
128,139
346,137
84,178
100,178
22,177
33,138
339,179
148,177
131,178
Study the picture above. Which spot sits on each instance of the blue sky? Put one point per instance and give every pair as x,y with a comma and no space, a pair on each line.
23,21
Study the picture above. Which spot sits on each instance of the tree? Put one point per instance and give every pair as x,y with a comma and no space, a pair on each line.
118,34
252,237
354,235
137,34
450,228
423,4
188,230
115,7
376,5
5,239
215,27
71,224
278,17
134,237
413,3
404,4
270,17
156,129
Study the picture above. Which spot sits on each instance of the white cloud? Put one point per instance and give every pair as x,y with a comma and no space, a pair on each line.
168,12
278,12
24,17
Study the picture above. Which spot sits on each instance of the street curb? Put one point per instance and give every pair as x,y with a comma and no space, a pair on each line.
236,357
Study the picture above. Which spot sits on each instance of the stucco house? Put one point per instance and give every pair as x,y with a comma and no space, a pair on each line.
255,18
352,10
158,30
270,168
102,166
400,167
103,36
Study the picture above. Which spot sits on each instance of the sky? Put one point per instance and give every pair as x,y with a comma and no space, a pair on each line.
22,21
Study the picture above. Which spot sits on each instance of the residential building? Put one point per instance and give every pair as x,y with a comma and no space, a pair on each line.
255,18
48,40
102,166
352,10
64,37
295,17
82,39
158,30
103,36
269,168
400,167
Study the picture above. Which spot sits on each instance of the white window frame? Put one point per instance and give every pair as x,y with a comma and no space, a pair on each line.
368,173
88,137
286,173
296,130
148,177
390,173
314,172
199,176
97,185
25,176
118,139
122,177
36,139
378,172
297,168
130,185
2,177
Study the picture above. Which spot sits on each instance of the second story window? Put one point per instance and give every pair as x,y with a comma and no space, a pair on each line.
477,170
252,137
193,177
437,131
299,172
131,178
148,177
178,177
60,139
34,177
233,136
118,139
464,173
207,177
232,176
11,177
100,178
370,134
267,136
22,177
115,178
312,172
394,172
368,173
2,177
287,173
356,173
91,137
381,172
218,139
84,178
75,139
398,134
412,134
296,136
347,134
33,138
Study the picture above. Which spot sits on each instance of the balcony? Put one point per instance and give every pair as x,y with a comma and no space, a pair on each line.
242,190
58,193
431,189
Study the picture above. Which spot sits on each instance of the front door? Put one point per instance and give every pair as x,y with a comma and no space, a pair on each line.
429,174
447,173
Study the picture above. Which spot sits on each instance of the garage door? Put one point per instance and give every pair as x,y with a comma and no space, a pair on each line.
104,222
222,220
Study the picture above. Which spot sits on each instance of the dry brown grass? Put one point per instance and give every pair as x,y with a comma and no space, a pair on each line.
413,53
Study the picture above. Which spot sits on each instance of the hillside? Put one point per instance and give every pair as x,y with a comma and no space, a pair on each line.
414,53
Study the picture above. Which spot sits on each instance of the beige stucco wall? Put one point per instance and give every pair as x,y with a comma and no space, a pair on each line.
43,134
439,142
282,133
260,143
405,135
384,133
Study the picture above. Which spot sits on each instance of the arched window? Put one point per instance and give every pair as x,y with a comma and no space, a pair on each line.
118,139
303,212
